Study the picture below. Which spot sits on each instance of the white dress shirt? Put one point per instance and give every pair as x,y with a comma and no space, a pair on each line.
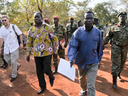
10,38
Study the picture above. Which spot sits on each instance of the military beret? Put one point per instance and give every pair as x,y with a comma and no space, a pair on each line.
56,17
122,13
46,19
71,18
95,18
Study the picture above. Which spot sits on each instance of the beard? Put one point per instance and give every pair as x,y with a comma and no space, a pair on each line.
38,23
88,26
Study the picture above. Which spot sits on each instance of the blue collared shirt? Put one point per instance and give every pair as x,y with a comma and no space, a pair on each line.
85,47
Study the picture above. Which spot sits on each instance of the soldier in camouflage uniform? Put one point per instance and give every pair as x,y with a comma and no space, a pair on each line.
2,55
70,28
59,31
119,35
98,25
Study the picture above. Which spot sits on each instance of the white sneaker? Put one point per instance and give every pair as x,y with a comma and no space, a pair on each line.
82,93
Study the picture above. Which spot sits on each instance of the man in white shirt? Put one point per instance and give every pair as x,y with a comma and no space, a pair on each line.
11,45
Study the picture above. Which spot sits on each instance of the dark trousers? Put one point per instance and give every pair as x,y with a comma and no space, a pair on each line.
43,64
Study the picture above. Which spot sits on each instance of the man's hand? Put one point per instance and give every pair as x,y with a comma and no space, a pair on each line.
65,45
55,55
71,63
21,46
28,58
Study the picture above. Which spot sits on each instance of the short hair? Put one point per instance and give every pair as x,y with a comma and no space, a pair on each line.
39,14
4,16
89,12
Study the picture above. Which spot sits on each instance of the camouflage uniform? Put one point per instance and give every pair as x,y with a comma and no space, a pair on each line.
119,44
59,32
70,29
99,26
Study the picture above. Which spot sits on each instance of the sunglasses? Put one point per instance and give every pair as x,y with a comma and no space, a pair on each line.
4,20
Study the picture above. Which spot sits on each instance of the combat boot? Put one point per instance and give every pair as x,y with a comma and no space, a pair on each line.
55,71
114,81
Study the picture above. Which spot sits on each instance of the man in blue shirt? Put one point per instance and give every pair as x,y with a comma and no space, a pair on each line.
85,48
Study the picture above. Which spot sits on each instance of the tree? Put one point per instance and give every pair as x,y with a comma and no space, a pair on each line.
105,12
81,7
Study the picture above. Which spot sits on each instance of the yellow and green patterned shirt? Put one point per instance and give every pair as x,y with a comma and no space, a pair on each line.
43,40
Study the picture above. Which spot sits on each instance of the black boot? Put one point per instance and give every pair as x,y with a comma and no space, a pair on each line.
55,71
51,78
114,81
119,78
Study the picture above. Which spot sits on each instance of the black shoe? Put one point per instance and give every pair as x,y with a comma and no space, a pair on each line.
18,67
5,66
41,90
114,86
52,81
12,79
1,66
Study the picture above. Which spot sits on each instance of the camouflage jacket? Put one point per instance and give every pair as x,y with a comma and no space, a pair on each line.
118,34
99,26
70,29
59,31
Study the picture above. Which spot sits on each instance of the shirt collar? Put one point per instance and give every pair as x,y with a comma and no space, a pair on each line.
88,31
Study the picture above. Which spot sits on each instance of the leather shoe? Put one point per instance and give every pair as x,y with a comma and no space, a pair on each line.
41,90
114,86
1,65
12,79
5,66
52,81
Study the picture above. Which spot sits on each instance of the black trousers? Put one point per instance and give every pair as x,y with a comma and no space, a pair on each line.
43,64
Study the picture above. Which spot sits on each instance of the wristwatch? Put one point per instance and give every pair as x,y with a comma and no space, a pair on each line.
21,42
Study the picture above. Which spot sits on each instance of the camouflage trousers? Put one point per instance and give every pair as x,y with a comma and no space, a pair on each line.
118,58
61,53
69,36
2,54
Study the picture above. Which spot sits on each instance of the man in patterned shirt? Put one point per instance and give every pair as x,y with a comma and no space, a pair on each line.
59,31
45,43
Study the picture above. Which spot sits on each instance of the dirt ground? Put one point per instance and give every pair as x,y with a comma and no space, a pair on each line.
26,83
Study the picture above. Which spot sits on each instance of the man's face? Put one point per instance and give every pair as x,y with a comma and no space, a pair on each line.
55,20
88,20
37,18
95,21
71,20
5,21
122,18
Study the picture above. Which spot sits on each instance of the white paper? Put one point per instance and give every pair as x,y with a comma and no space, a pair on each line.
65,69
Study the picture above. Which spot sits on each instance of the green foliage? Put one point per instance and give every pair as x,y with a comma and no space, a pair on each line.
105,12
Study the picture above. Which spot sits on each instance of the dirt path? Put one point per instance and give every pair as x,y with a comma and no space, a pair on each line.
26,83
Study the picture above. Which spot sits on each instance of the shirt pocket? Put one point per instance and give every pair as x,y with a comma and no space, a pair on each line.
12,35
